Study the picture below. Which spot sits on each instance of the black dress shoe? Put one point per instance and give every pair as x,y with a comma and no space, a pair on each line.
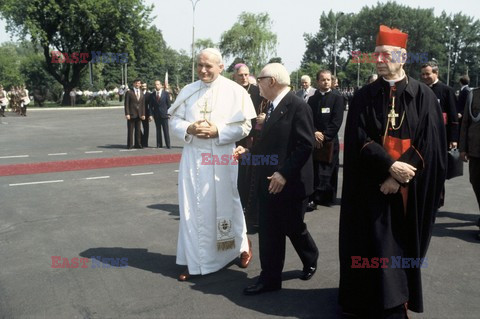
311,206
259,288
308,272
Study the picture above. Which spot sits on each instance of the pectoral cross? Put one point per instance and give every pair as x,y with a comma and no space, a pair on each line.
392,115
205,110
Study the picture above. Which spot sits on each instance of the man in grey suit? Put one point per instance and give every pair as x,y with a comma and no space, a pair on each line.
307,90
134,113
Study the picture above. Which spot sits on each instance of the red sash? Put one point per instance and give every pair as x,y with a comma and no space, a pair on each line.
395,147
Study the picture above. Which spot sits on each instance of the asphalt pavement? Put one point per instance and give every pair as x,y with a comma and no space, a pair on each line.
128,217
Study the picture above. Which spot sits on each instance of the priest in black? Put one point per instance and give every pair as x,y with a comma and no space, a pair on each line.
447,99
246,173
394,170
327,108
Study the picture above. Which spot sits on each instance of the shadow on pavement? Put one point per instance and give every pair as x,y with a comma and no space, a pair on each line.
288,302
139,258
173,209
112,146
452,229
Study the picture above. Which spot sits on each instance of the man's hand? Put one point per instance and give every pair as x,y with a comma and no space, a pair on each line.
127,117
389,186
207,130
261,118
453,145
464,156
239,151
193,128
142,117
276,183
319,137
402,171
150,118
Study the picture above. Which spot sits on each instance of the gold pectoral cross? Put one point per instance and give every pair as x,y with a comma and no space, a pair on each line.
205,110
392,115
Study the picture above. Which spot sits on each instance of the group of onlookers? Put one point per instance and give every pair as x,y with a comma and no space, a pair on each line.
17,99
141,107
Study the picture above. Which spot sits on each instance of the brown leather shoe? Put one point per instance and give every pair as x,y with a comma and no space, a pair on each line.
245,257
184,276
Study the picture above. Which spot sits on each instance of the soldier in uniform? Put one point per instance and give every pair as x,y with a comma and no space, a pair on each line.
24,100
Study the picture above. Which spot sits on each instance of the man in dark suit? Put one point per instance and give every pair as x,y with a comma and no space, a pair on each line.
159,103
462,96
134,113
145,122
285,179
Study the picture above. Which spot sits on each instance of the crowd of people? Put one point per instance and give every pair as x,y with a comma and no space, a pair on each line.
17,99
286,148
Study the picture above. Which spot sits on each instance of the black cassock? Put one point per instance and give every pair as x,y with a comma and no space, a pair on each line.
327,110
448,102
376,225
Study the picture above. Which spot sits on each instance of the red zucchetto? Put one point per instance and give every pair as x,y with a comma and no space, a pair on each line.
393,37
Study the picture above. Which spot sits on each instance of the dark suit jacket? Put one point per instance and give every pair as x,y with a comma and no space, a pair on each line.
133,107
159,108
148,112
462,99
288,135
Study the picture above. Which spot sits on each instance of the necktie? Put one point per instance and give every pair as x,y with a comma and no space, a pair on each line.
158,96
305,94
269,111
137,94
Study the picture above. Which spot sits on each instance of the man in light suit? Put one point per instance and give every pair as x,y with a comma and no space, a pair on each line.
134,113
285,179
307,90
159,103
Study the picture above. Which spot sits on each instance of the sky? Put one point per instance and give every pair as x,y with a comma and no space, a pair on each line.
291,19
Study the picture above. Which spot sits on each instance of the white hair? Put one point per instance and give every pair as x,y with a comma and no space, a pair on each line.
278,72
306,78
212,51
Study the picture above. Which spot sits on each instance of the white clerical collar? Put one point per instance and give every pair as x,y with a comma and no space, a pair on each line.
436,81
392,82
279,97
213,83
464,86
323,93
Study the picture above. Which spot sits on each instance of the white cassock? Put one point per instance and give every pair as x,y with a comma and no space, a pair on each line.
210,208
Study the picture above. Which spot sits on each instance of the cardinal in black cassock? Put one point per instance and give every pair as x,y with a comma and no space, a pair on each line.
386,214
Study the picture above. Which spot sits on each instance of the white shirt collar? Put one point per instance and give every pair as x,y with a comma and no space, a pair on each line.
436,81
279,97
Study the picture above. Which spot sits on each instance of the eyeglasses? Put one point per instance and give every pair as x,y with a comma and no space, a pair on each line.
264,77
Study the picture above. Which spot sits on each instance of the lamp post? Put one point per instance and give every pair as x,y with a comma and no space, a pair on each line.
449,52
194,4
335,45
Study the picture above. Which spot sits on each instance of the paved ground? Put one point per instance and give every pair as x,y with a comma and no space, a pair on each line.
132,212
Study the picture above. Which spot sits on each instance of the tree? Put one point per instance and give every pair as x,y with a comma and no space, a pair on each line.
427,36
80,26
251,40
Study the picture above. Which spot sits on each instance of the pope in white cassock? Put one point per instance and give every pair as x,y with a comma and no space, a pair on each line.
210,115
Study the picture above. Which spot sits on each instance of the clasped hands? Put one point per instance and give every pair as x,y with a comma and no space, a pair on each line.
400,172
203,129
277,181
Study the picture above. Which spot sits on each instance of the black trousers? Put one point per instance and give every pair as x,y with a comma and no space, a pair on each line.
134,124
145,132
162,124
279,219
474,171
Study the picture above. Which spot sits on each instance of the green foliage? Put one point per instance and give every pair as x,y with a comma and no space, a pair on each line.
251,40
427,34
79,26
